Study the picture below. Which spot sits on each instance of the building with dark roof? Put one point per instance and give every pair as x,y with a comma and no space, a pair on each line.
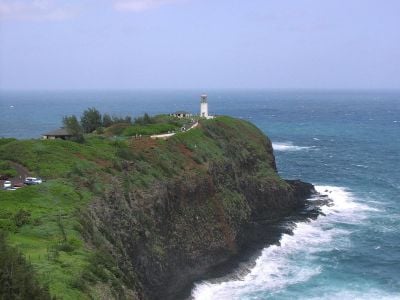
61,133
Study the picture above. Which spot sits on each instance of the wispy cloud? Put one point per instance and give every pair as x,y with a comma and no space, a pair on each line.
35,10
140,5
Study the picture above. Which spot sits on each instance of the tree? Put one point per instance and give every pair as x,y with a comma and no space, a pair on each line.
116,120
73,127
107,120
91,120
145,120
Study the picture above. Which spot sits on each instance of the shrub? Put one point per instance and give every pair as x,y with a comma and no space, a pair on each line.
17,277
22,217
145,120
116,129
6,170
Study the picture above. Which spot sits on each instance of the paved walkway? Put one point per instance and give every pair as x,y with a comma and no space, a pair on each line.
165,136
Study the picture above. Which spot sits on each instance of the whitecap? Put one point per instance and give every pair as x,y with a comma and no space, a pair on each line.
295,259
288,146
361,166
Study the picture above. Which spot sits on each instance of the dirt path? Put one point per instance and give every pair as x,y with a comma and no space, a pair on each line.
22,173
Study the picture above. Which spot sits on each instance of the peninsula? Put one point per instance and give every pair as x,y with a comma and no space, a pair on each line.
131,218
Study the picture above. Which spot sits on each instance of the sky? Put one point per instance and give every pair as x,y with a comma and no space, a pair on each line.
200,44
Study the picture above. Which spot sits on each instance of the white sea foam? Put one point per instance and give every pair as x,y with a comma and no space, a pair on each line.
288,146
361,166
294,260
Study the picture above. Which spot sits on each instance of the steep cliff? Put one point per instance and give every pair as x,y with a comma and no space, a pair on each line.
142,219
197,211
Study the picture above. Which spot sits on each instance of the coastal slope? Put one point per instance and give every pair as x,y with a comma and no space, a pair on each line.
142,218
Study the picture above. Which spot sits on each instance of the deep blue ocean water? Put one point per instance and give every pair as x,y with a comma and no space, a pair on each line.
347,143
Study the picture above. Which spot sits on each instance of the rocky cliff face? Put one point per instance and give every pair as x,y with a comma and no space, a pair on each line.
181,207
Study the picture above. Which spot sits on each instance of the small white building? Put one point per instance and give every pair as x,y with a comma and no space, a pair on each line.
181,114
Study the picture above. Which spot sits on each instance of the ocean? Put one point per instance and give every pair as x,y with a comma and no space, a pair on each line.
347,143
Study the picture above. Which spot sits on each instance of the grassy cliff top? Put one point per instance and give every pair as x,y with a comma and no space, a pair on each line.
43,221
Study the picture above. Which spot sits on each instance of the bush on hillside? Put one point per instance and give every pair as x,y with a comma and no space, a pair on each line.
145,120
7,171
17,277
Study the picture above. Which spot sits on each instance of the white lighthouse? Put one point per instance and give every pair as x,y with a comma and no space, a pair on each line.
203,106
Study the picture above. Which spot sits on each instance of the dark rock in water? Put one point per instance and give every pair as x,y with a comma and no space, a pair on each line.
224,203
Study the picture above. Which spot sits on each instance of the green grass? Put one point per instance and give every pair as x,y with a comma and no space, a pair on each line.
6,170
56,158
51,223
4,141
43,221
149,129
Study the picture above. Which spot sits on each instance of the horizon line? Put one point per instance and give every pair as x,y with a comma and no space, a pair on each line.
193,89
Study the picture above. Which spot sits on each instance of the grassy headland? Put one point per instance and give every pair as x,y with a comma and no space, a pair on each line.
49,223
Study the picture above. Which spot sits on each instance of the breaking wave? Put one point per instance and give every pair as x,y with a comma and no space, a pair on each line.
294,260
288,146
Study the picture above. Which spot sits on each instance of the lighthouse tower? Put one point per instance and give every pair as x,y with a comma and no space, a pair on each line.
204,106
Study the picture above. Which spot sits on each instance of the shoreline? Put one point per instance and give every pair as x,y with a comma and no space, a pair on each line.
271,233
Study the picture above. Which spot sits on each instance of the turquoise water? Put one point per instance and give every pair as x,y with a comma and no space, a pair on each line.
345,142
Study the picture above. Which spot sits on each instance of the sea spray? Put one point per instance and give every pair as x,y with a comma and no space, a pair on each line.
294,260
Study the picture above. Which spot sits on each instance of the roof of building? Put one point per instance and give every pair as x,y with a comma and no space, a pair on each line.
181,112
58,132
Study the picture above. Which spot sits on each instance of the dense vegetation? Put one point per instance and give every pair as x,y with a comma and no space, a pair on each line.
6,170
93,121
49,223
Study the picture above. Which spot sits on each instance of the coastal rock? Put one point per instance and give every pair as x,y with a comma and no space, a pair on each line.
174,230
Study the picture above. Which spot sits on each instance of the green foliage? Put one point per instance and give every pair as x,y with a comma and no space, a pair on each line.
145,120
116,120
235,207
203,147
148,129
17,276
73,127
4,141
109,121
116,129
99,130
45,221
55,158
91,120
6,170
22,217
46,218
178,122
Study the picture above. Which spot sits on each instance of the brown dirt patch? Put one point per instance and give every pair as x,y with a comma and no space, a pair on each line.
143,143
22,173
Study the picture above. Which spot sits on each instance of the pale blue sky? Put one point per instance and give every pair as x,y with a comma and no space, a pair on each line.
178,44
